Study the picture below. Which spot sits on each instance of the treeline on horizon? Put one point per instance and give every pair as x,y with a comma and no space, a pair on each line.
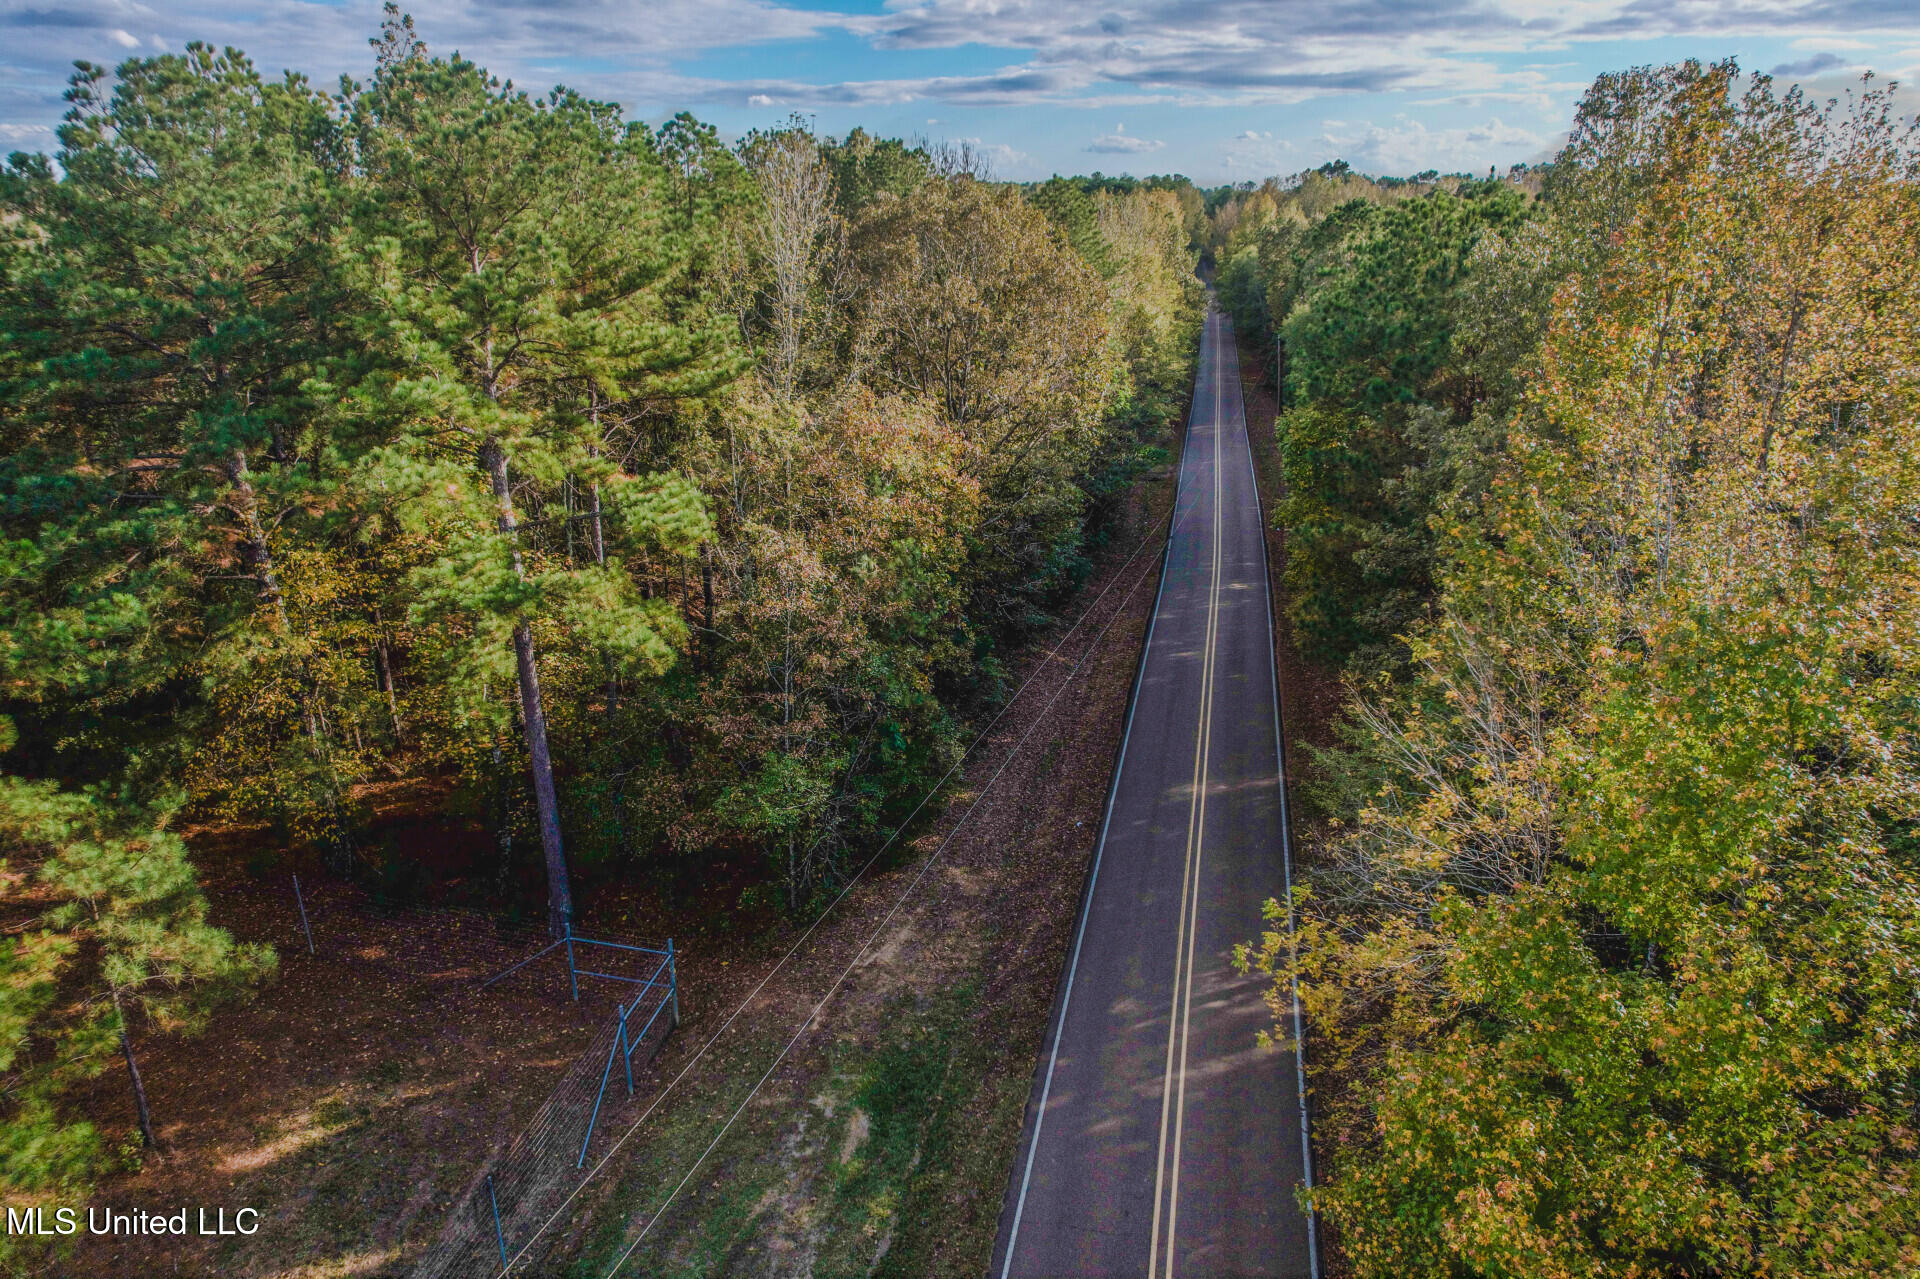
1600,484
648,503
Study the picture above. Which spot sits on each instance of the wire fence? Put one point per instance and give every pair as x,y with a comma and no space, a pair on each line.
517,1189
450,947
468,953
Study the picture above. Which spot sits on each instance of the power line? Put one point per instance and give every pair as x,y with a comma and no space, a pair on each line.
701,1052
880,928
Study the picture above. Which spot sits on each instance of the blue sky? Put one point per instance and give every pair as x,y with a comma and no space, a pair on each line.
1221,90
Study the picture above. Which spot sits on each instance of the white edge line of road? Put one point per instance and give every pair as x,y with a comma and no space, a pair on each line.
1093,876
1286,842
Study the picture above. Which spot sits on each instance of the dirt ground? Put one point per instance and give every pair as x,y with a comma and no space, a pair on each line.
343,1099
352,1098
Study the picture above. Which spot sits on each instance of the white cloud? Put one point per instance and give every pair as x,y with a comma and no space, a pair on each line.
609,48
1242,52
1257,152
1080,53
1002,158
1407,146
1119,142
25,132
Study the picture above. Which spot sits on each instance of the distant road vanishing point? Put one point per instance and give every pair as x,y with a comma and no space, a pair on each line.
1160,1138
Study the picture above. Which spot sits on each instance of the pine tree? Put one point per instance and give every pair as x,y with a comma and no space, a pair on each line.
163,302
518,264
122,931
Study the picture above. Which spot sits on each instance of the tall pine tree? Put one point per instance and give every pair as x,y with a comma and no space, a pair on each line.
518,263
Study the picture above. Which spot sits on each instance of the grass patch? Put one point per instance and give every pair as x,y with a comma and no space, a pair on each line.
893,1169
726,1214
949,1193
920,1195
904,1099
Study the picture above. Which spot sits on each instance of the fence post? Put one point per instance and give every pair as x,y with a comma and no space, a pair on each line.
626,1049
572,980
302,903
599,1097
673,982
498,1235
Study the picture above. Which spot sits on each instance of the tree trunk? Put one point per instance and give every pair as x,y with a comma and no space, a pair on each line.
599,539
539,758
259,557
593,500
547,804
706,590
383,660
611,690
133,1072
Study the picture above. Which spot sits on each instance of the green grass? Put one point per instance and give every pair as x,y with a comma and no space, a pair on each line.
906,1091
940,1133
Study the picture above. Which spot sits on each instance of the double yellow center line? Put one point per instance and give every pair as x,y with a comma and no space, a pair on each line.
1173,1088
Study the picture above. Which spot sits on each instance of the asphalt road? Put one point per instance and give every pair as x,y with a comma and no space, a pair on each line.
1160,1138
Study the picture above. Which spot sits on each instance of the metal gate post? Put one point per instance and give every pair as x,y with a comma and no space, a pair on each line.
594,1118
626,1049
302,903
498,1236
673,982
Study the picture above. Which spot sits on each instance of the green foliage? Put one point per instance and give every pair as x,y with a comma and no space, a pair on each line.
658,502
866,169
1611,952
1072,210
1155,307
967,300
1377,331
162,300
116,925
1362,301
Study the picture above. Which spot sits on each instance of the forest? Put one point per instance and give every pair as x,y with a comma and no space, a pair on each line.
654,506
1600,489
642,501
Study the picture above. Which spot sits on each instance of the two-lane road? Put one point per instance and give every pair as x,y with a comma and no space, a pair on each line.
1160,1139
